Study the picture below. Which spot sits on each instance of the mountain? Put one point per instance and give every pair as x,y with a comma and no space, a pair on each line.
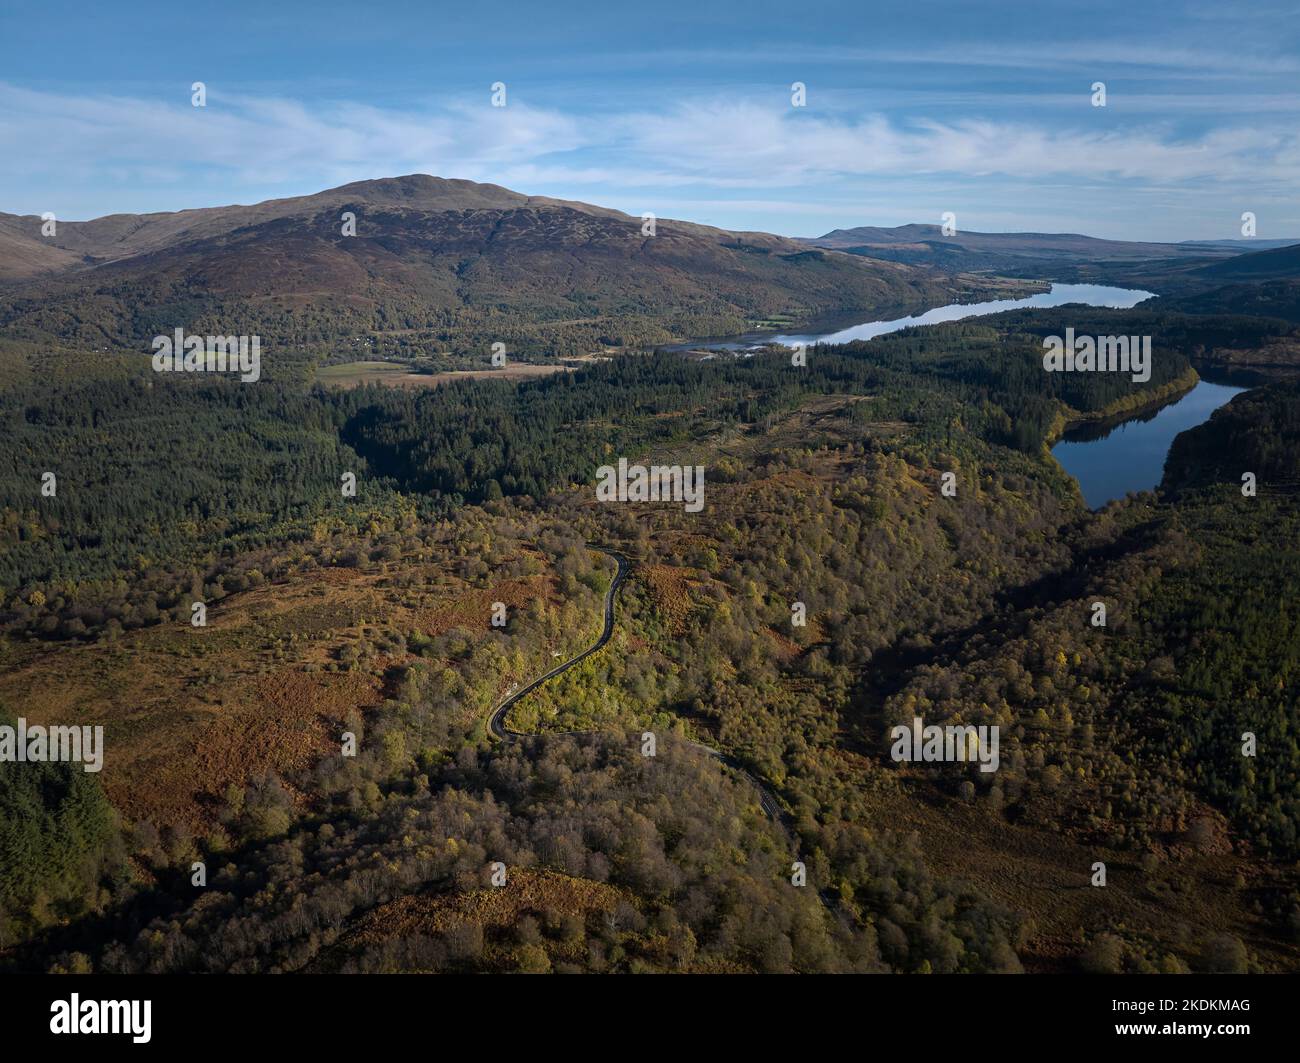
1239,246
1182,270
24,254
120,236
1279,263
1262,284
927,245
1027,245
435,265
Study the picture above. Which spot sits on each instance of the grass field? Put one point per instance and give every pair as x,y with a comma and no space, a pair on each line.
270,683
398,375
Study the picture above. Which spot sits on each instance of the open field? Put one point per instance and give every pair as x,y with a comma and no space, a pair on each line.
397,375
269,684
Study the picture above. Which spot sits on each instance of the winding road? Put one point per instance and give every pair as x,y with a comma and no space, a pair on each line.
766,799
497,721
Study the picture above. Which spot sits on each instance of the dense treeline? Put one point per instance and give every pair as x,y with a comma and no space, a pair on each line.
979,611
704,876
58,838
1278,299
999,359
972,609
237,463
152,471
1255,433
155,469
1230,629
379,324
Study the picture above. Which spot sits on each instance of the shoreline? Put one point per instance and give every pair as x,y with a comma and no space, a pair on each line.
1067,418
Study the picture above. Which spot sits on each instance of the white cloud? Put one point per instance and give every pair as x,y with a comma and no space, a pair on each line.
744,144
767,161
1136,60
267,139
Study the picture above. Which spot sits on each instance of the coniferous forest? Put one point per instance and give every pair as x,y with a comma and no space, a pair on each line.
413,575
824,488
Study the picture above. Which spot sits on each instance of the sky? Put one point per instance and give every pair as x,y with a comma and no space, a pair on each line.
683,109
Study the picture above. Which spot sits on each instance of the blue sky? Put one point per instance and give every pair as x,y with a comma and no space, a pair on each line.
683,109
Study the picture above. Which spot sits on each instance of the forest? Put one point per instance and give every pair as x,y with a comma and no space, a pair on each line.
1119,743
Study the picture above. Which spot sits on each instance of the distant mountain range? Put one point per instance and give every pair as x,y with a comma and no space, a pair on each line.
927,245
1177,269
442,269
434,265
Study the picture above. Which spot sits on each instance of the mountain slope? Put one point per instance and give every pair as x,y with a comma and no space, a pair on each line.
1279,263
25,254
1174,270
123,235
1261,284
927,245
1044,245
437,266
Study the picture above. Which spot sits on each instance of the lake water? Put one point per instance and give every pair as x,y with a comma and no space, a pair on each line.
1060,294
1111,460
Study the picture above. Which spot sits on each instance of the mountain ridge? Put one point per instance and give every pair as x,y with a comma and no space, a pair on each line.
121,235
1028,244
435,265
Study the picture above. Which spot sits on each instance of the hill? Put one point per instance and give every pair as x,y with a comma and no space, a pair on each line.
434,266
927,244
1262,284
119,236
1274,264
1183,271
24,254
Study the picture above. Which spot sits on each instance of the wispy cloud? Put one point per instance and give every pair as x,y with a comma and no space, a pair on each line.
1136,59
759,144
269,139
769,161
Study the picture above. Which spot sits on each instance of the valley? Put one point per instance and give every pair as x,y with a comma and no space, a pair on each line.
885,536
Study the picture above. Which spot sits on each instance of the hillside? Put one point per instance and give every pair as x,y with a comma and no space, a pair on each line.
119,236
927,244
969,608
1182,271
435,266
1273,264
25,254
1272,298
